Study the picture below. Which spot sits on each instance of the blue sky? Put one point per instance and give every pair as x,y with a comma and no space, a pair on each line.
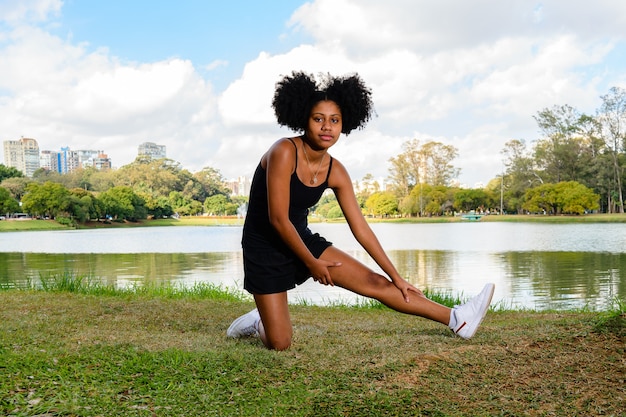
198,76
220,34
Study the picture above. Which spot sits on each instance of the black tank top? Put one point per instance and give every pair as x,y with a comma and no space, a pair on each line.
302,198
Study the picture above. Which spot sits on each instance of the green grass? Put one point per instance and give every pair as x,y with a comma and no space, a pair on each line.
86,284
6,226
74,347
26,225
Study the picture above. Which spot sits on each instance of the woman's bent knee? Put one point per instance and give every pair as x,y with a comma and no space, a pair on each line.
278,343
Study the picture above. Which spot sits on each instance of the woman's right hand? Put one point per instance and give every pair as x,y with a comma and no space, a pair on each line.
319,270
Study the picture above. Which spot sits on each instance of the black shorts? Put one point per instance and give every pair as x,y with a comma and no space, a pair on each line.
270,269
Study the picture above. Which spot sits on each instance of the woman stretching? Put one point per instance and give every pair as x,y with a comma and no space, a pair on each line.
280,251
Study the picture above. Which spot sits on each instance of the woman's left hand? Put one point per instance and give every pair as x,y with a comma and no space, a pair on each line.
406,288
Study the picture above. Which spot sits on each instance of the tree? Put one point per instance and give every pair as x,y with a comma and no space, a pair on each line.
100,181
328,207
84,205
541,199
7,203
575,198
426,199
48,199
471,199
157,177
122,203
219,204
438,162
382,204
9,172
612,117
568,197
400,175
428,163
211,181
16,186
560,152
519,173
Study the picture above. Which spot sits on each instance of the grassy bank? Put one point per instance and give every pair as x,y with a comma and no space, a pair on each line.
14,225
80,350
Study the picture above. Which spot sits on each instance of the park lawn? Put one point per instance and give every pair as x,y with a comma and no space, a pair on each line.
15,225
30,225
141,355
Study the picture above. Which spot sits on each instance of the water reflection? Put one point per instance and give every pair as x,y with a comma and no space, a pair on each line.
538,280
564,279
533,265
123,269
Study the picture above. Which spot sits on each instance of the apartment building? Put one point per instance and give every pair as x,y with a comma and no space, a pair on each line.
101,162
50,160
22,154
152,150
239,186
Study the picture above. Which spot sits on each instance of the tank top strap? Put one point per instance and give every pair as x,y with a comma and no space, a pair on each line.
330,165
295,146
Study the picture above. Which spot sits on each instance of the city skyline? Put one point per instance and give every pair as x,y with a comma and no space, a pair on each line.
26,155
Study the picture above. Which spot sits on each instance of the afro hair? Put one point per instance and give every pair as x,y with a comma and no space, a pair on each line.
296,94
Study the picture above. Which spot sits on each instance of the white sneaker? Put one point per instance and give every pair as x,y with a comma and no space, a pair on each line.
246,325
470,315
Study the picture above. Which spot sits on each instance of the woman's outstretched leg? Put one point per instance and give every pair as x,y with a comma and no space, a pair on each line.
356,277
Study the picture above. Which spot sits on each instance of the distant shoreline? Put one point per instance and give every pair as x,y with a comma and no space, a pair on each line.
34,225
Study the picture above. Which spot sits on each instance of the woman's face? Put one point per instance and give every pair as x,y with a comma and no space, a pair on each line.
324,125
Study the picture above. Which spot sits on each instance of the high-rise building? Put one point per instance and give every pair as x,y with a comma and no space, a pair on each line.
22,154
239,187
68,160
152,150
101,162
86,157
50,160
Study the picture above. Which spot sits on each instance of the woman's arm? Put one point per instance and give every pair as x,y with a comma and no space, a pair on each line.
280,165
341,184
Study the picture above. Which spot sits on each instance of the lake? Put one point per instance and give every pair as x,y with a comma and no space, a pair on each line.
534,265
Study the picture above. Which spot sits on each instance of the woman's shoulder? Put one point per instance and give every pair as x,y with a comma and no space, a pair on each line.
284,145
285,142
339,175
282,150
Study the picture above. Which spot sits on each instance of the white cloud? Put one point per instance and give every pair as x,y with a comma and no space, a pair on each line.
471,74
18,11
62,95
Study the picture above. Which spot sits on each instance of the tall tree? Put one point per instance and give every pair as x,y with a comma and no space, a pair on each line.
559,152
16,186
438,159
399,175
428,163
211,181
612,116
